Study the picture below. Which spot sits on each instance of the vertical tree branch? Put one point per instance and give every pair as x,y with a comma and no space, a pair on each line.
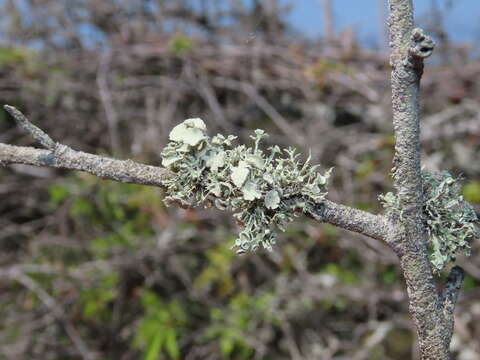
107,101
409,47
327,20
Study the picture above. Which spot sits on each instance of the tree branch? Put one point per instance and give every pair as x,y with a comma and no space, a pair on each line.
63,157
359,221
409,47
130,172
38,134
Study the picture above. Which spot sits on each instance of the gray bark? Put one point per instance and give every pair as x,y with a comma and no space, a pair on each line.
409,47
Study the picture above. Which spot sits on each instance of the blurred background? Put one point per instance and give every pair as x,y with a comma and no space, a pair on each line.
93,269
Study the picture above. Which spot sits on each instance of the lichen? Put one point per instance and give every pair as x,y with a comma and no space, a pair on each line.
450,220
264,189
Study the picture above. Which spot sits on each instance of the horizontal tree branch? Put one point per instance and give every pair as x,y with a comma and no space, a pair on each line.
348,218
127,171
64,157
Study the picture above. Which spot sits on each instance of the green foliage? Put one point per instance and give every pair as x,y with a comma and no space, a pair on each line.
218,269
320,70
180,44
159,328
451,221
122,212
57,194
96,298
24,61
230,326
471,192
122,238
82,207
12,57
342,275
469,283
264,191
365,168
390,275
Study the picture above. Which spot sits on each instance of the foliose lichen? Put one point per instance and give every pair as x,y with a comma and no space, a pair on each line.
451,221
265,190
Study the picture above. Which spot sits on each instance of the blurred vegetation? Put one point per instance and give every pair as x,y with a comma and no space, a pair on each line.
94,269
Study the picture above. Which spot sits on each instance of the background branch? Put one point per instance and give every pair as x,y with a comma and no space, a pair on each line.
56,309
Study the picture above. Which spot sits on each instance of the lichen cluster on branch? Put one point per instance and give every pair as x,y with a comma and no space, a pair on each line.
451,221
265,190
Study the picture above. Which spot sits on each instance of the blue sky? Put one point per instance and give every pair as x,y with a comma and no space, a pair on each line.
462,21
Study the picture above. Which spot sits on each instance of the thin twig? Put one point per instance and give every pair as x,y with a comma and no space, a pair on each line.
107,101
38,134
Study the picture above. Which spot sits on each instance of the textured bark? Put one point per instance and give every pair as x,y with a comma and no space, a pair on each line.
63,157
375,226
409,47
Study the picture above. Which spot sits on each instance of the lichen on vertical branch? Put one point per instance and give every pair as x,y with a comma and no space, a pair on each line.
451,221
409,47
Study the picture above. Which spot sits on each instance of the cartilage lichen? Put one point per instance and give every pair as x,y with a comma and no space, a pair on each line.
451,221
265,190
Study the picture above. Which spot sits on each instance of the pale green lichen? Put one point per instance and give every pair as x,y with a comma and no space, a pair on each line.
450,220
265,190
